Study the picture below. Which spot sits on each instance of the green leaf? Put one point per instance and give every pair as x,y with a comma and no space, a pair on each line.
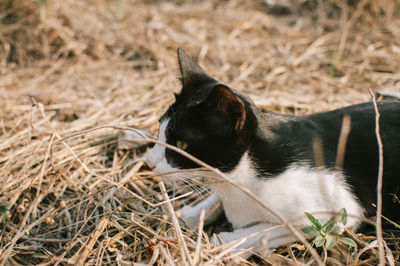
331,240
314,221
327,227
395,224
340,217
133,57
319,241
390,221
332,66
310,230
348,241
3,212
343,214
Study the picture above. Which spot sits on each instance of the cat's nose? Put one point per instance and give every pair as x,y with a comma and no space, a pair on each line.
146,159
151,166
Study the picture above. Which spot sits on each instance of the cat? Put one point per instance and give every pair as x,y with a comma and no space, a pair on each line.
272,156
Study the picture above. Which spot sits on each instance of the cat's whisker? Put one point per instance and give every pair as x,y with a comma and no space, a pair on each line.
262,166
198,191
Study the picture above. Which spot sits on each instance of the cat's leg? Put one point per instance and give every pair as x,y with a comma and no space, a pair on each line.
258,238
190,215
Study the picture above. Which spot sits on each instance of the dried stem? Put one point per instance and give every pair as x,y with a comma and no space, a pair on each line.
81,64
178,231
379,236
199,237
344,134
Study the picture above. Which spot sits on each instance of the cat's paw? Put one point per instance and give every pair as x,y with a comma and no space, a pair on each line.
189,216
226,237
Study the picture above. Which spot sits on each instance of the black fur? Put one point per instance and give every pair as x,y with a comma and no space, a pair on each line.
206,116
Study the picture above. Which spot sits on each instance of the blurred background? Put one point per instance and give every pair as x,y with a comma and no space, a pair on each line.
290,55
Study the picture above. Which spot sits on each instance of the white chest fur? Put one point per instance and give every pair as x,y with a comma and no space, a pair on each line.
297,190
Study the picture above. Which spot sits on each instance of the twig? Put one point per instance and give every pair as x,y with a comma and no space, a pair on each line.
292,256
62,140
369,246
154,257
166,256
379,237
80,257
236,243
389,255
148,230
175,222
345,31
231,246
40,109
344,134
199,162
246,191
318,152
360,242
199,236
6,250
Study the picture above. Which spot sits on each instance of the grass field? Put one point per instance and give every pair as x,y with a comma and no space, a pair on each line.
74,74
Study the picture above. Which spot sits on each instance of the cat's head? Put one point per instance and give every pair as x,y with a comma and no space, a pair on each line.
208,120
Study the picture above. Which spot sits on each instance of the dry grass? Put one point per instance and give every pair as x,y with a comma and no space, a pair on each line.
74,197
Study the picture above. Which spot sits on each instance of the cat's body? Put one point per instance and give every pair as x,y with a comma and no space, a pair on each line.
273,156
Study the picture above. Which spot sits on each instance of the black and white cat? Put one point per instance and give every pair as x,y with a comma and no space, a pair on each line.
272,156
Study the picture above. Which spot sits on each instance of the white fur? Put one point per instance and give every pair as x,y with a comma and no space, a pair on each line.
259,237
297,190
156,156
190,215
291,193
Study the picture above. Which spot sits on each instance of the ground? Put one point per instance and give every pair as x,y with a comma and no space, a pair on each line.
75,73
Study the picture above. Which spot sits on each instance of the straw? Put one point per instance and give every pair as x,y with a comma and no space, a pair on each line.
75,192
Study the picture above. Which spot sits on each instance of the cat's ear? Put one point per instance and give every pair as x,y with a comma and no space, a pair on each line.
189,68
228,104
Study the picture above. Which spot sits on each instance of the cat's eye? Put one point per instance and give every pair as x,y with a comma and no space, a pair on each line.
181,145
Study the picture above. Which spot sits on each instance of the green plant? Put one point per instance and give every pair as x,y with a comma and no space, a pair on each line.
133,57
333,65
331,232
3,213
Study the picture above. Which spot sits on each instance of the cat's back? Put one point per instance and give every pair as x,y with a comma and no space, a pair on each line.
293,137
328,125
361,114
362,138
